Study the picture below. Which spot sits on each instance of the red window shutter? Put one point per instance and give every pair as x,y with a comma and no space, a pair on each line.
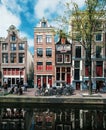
86,71
4,71
68,79
50,67
99,70
50,80
17,71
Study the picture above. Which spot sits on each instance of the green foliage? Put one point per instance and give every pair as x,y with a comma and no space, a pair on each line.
84,23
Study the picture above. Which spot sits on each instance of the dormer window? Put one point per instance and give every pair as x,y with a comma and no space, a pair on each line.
13,37
44,24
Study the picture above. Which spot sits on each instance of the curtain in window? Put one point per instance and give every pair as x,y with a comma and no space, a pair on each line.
86,71
99,70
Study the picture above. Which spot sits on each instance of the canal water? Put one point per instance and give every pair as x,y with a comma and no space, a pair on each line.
53,118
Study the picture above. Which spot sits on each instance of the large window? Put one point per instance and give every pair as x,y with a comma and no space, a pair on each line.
4,58
48,66
77,70
13,46
39,38
48,52
99,68
76,74
39,66
57,73
39,52
21,58
59,58
78,52
13,57
98,51
48,38
4,46
21,46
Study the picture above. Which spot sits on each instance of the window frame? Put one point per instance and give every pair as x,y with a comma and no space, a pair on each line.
97,39
39,66
58,61
48,38
39,50
49,66
69,58
77,54
13,46
39,39
49,52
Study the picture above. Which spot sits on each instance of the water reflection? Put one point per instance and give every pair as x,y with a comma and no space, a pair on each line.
52,119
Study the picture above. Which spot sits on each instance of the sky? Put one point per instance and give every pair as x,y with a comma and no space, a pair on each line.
26,14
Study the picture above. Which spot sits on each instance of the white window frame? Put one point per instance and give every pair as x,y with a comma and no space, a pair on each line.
48,38
101,37
65,58
57,58
39,38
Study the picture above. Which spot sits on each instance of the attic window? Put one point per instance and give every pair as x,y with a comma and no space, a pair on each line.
44,24
13,37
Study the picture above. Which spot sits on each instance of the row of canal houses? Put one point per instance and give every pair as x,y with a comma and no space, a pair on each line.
61,60
64,60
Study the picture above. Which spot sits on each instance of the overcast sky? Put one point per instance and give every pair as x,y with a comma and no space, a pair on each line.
26,14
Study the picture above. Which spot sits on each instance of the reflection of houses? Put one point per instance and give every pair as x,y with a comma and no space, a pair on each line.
44,54
12,119
13,57
63,54
80,62
44,121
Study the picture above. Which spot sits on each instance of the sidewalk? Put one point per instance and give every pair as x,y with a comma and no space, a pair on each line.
77,93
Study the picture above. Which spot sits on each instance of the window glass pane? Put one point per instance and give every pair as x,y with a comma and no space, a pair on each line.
77,64
13,58
76,74
39,52
44,24
21,58
59,58
4,46
98,37
48,38
48,52
78,52
13,46
13,37
21,46
67,58
4,58
39,38
98,51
